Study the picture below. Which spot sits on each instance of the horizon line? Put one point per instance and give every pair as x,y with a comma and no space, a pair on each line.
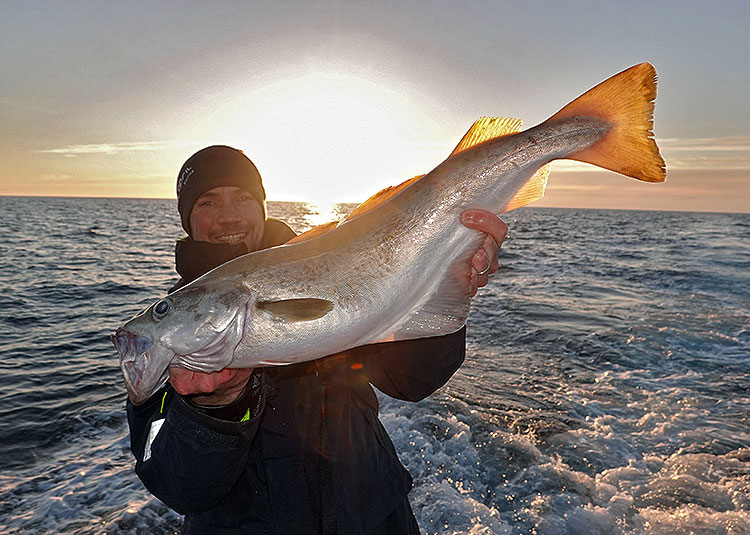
5,195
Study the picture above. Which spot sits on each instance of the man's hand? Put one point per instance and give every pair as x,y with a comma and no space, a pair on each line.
484,262
216,388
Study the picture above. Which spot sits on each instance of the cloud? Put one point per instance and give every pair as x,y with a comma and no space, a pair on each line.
56,177
572,165
114,148
709,144
710,153
707,162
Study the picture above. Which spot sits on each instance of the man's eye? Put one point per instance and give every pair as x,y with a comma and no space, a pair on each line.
206,203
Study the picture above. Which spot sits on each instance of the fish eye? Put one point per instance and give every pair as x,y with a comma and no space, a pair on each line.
160,309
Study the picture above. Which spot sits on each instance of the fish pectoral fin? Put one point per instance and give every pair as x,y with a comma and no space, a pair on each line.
485,129
293,310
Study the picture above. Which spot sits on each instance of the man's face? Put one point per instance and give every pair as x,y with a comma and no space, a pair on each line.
227,214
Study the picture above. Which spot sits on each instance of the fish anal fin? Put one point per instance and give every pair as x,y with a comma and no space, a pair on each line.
314,232
446,308
625,102
532,191
293,310
485,129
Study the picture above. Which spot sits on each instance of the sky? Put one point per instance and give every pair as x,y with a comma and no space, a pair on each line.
336,100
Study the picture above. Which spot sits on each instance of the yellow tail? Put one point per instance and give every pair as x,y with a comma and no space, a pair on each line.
625,102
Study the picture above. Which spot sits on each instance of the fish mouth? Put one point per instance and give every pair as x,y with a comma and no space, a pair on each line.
142,378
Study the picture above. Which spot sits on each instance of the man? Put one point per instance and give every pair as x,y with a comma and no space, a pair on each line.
290,450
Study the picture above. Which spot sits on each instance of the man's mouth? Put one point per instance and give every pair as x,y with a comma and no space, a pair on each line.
231,238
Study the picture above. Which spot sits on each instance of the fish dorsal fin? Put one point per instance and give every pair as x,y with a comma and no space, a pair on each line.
486,128
532,191
314,232
293,310
483,129
371,203
380,197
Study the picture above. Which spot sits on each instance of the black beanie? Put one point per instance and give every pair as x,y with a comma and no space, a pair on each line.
213,167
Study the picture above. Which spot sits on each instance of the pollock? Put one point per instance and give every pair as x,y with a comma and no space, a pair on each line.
398,267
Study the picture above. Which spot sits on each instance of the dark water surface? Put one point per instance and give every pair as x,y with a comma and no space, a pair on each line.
606,389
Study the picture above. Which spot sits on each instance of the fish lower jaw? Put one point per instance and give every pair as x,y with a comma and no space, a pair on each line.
142,381
133,374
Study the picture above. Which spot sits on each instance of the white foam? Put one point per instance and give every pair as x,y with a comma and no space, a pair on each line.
472,477
91,489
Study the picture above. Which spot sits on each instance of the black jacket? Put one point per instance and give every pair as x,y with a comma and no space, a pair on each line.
312,457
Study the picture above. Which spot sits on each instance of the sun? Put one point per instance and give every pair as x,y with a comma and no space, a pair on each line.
326,137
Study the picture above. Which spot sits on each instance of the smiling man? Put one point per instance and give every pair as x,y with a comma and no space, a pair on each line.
296,449
222,206
227,214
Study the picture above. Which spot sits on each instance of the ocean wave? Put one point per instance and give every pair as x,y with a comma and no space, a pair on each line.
605,388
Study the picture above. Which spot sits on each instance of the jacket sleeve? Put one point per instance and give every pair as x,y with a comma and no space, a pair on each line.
413,369
187,459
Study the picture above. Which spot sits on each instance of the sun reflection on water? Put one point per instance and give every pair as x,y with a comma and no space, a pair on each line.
323,212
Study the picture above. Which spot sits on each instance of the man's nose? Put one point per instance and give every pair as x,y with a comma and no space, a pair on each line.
230,214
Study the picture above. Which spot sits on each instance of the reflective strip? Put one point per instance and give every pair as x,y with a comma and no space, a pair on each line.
246,417
163,399
155,428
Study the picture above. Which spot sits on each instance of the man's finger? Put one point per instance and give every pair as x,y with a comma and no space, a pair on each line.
486,222
484,262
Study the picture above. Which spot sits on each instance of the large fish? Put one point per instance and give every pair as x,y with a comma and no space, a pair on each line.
397,268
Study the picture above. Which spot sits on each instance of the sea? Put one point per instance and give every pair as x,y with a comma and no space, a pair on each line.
606,388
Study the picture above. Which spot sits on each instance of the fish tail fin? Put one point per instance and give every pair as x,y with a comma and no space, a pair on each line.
624,101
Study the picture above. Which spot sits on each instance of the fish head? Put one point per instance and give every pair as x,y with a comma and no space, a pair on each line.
197,327
137,358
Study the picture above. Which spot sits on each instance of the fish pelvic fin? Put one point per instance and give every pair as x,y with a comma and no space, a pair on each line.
485,129
626,103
